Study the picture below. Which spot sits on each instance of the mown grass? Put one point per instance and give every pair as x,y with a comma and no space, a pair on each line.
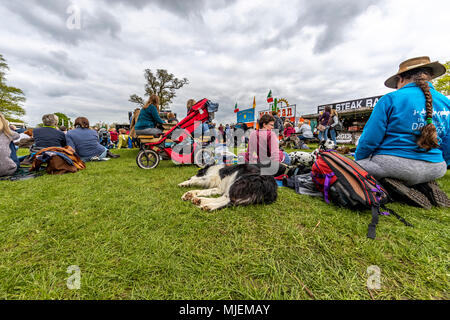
133,238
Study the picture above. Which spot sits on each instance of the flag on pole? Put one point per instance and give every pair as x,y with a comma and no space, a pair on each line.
236,109
254,102
269,97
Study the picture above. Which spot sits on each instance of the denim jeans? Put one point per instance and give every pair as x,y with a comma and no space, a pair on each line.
13,155
333,135
323,135
100,156
287,159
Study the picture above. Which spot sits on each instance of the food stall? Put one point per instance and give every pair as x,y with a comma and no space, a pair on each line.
353,115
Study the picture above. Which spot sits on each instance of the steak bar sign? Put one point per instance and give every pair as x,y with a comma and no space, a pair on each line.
352,104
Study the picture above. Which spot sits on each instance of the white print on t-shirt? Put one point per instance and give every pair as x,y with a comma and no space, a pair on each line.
417,126
435,113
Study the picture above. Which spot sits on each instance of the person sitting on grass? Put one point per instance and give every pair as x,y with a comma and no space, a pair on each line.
49,134
264,144
407,138
149,118
305,131
8,158
123,139
86,143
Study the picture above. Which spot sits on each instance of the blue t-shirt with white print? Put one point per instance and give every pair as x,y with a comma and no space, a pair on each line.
395,123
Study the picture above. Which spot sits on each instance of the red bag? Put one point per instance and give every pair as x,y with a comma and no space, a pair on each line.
346,183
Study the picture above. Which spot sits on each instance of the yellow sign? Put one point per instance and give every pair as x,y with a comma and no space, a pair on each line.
285,101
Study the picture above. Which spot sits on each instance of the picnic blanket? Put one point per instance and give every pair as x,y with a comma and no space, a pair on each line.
23,174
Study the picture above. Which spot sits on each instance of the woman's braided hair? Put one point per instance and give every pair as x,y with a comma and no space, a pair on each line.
428,138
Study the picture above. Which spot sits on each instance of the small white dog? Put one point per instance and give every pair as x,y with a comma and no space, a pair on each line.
307,159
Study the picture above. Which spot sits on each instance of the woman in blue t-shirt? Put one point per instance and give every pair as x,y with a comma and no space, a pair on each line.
407,138
149,118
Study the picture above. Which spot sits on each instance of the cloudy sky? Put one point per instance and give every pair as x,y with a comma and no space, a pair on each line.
308,52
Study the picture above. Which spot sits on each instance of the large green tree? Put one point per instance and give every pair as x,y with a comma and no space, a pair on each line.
442,84
163,84
63,120
11,98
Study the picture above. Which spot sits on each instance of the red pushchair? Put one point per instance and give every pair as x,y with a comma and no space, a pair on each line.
177,141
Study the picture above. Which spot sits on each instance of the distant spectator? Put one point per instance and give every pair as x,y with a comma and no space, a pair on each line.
288,129
85,142
63,129
114,136
323,123
278,124
134,119
8,158
189,104
171,118
305,131
48,135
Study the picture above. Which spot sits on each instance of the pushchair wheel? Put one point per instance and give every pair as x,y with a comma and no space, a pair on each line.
147,159
203,157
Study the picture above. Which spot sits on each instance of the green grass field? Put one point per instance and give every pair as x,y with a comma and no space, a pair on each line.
133,238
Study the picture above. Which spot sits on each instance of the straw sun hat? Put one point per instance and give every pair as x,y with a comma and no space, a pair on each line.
414,63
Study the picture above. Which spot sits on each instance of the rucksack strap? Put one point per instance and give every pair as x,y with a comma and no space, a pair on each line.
375,213
326,186
390,211
373,224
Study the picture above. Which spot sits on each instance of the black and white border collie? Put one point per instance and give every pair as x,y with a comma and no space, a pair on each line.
307,159
240,184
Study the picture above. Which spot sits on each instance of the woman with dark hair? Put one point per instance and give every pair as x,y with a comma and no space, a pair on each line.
149,118
263,143
86,143
407,138
323,120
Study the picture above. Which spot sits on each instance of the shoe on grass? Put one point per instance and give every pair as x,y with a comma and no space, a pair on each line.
399,191
112,155
436,196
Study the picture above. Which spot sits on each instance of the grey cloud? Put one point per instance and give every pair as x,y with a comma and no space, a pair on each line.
181,8
55,61
51,16
334,16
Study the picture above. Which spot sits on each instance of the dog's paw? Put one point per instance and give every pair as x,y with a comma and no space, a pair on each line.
187,196
196,201
184,184
206,208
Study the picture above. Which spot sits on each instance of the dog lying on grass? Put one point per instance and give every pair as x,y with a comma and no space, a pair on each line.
240,184
307,159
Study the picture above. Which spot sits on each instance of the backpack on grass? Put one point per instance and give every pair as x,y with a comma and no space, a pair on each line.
347,184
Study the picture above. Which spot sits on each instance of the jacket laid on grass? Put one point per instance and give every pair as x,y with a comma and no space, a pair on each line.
58,160
395,123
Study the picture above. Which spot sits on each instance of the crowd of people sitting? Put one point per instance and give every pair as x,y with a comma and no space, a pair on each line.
90,144
405,143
